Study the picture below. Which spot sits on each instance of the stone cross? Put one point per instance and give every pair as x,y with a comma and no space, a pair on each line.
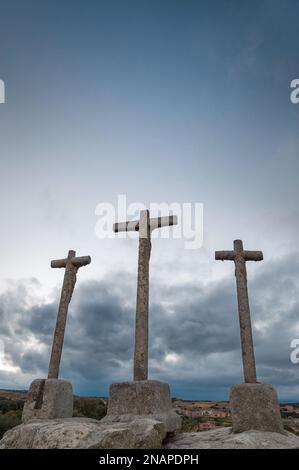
239,256
145,226
71,265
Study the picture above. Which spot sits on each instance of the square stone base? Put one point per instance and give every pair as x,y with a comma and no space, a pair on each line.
48,399
145,399
255,407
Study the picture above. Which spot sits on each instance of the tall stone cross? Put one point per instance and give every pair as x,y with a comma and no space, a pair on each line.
239,256
145,226
71,265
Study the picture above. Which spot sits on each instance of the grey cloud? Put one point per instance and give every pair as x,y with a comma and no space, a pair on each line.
199,324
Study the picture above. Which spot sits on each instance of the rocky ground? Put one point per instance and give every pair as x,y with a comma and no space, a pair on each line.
223,438
83,433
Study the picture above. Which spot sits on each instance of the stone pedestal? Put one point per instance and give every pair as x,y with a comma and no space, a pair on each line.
255,407
144,399
48,399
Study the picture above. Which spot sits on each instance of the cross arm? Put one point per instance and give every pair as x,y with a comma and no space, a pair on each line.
225,255
253,255
166,221
78,261
130,226
231,255
155,222
81,261
59,263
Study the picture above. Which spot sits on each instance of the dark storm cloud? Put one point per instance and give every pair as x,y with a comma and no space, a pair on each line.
201,322
194,332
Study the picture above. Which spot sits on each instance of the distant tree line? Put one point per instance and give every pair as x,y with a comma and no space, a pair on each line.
10,414
11,411
94,408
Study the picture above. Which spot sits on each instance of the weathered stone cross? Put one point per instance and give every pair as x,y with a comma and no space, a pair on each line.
145,226
71,265
239,256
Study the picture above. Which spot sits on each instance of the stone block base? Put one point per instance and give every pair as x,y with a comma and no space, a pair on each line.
255,407
144,399
48,399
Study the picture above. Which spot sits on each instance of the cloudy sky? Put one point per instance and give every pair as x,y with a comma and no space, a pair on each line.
175,101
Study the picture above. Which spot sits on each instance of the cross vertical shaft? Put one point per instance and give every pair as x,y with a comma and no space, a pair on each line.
68,285
239,256
145,226
248,357
71,265
142,303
